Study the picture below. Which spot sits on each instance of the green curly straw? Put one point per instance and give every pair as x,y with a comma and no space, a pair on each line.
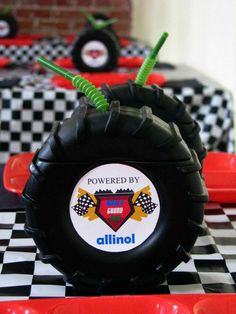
150,61
95,95
94,23
104,24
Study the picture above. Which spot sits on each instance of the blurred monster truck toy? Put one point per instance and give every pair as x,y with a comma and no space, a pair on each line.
97,47
115,199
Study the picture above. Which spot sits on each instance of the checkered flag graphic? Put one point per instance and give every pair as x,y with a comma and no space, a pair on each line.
145,201
83,204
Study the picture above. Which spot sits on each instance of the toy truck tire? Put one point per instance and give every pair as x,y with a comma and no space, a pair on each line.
121,137
91,42
167,108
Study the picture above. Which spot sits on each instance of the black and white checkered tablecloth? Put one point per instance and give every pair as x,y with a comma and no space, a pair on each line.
53,48
28,112
212,268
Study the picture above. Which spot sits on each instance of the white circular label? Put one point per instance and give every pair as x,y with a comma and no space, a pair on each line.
4,29
114,207
94,54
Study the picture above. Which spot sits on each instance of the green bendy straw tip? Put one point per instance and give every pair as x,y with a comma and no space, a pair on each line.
159,44
86,87
104,24
95,24
150,61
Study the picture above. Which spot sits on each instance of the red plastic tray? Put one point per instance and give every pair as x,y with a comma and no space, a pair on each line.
220,176
130,62
28,40
125,62
16,41
124,42
110,78
20,40
4,62
219,171
16,172
149,304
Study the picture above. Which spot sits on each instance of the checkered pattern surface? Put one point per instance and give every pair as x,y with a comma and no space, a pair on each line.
56,48
212,268
145,201
83,204
28,112
213,110
27,116
135,49
27,54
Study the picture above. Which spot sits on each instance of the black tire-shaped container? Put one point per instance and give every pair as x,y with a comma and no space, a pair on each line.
121,137
167,108
8,26
95,51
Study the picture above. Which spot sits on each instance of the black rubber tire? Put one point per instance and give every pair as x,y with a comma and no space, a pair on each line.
107,39
12,25
127,136
167,108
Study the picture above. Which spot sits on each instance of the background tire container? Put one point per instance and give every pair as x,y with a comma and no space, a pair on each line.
166,108
8,26
95,51
115,199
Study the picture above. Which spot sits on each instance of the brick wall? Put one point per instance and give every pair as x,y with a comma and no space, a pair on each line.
63,17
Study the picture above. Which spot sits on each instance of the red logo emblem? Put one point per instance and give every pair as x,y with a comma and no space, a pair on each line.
114,208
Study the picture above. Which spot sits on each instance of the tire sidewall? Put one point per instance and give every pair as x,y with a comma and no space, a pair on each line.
164,238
